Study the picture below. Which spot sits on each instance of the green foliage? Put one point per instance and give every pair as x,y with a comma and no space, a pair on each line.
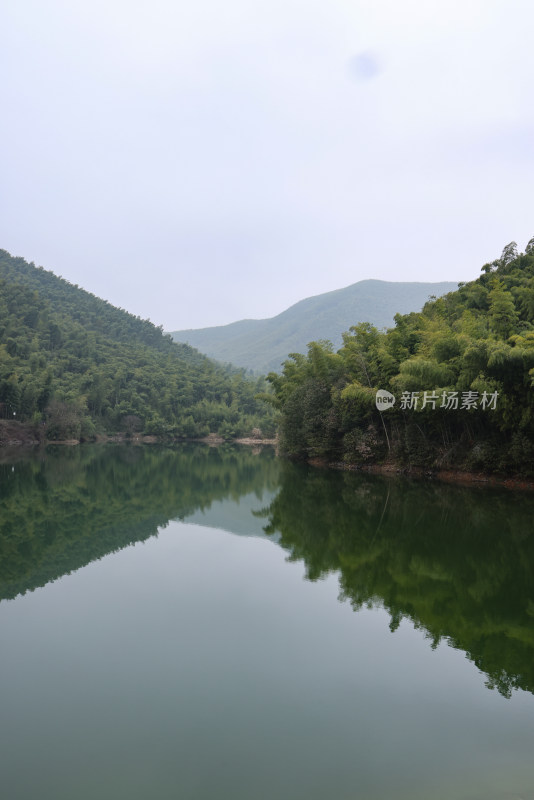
503,317
82,366
477,339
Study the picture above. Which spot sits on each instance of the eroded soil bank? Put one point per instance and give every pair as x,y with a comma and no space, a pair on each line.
450,476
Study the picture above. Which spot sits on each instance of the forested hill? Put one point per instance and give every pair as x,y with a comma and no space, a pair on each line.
77,365
263,344
461,373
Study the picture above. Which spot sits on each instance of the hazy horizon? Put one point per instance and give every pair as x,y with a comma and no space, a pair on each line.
198,165
310,297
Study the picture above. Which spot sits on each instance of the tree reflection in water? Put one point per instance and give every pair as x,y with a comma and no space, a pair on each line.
458,562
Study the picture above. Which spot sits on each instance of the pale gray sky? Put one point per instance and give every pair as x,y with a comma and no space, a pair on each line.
197,163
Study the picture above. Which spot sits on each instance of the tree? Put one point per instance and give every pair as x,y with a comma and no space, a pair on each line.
503,317
508,254
131,423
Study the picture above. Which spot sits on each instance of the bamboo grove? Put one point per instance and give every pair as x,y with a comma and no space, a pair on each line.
461,372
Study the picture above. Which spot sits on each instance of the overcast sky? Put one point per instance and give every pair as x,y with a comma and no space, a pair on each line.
201,162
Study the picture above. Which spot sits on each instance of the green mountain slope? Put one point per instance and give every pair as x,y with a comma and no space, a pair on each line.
79,365
263,344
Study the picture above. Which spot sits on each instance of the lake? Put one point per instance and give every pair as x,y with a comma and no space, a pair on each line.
199,623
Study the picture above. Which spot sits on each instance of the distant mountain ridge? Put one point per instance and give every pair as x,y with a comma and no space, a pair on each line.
263,344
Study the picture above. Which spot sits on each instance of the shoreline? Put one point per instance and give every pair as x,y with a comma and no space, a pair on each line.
21,436
18,435
457,476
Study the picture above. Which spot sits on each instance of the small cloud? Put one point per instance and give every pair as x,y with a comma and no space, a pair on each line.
364,66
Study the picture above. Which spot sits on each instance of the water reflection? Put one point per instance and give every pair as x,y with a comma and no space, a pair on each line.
62,509
458,562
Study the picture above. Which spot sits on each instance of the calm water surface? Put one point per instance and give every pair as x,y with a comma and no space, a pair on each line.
203,623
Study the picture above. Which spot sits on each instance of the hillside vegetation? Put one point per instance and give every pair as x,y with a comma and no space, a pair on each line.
262,345
461,370
74,365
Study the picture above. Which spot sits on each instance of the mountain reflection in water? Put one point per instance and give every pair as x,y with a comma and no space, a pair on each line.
458,562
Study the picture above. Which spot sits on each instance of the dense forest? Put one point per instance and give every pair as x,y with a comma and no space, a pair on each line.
74,366
461,372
